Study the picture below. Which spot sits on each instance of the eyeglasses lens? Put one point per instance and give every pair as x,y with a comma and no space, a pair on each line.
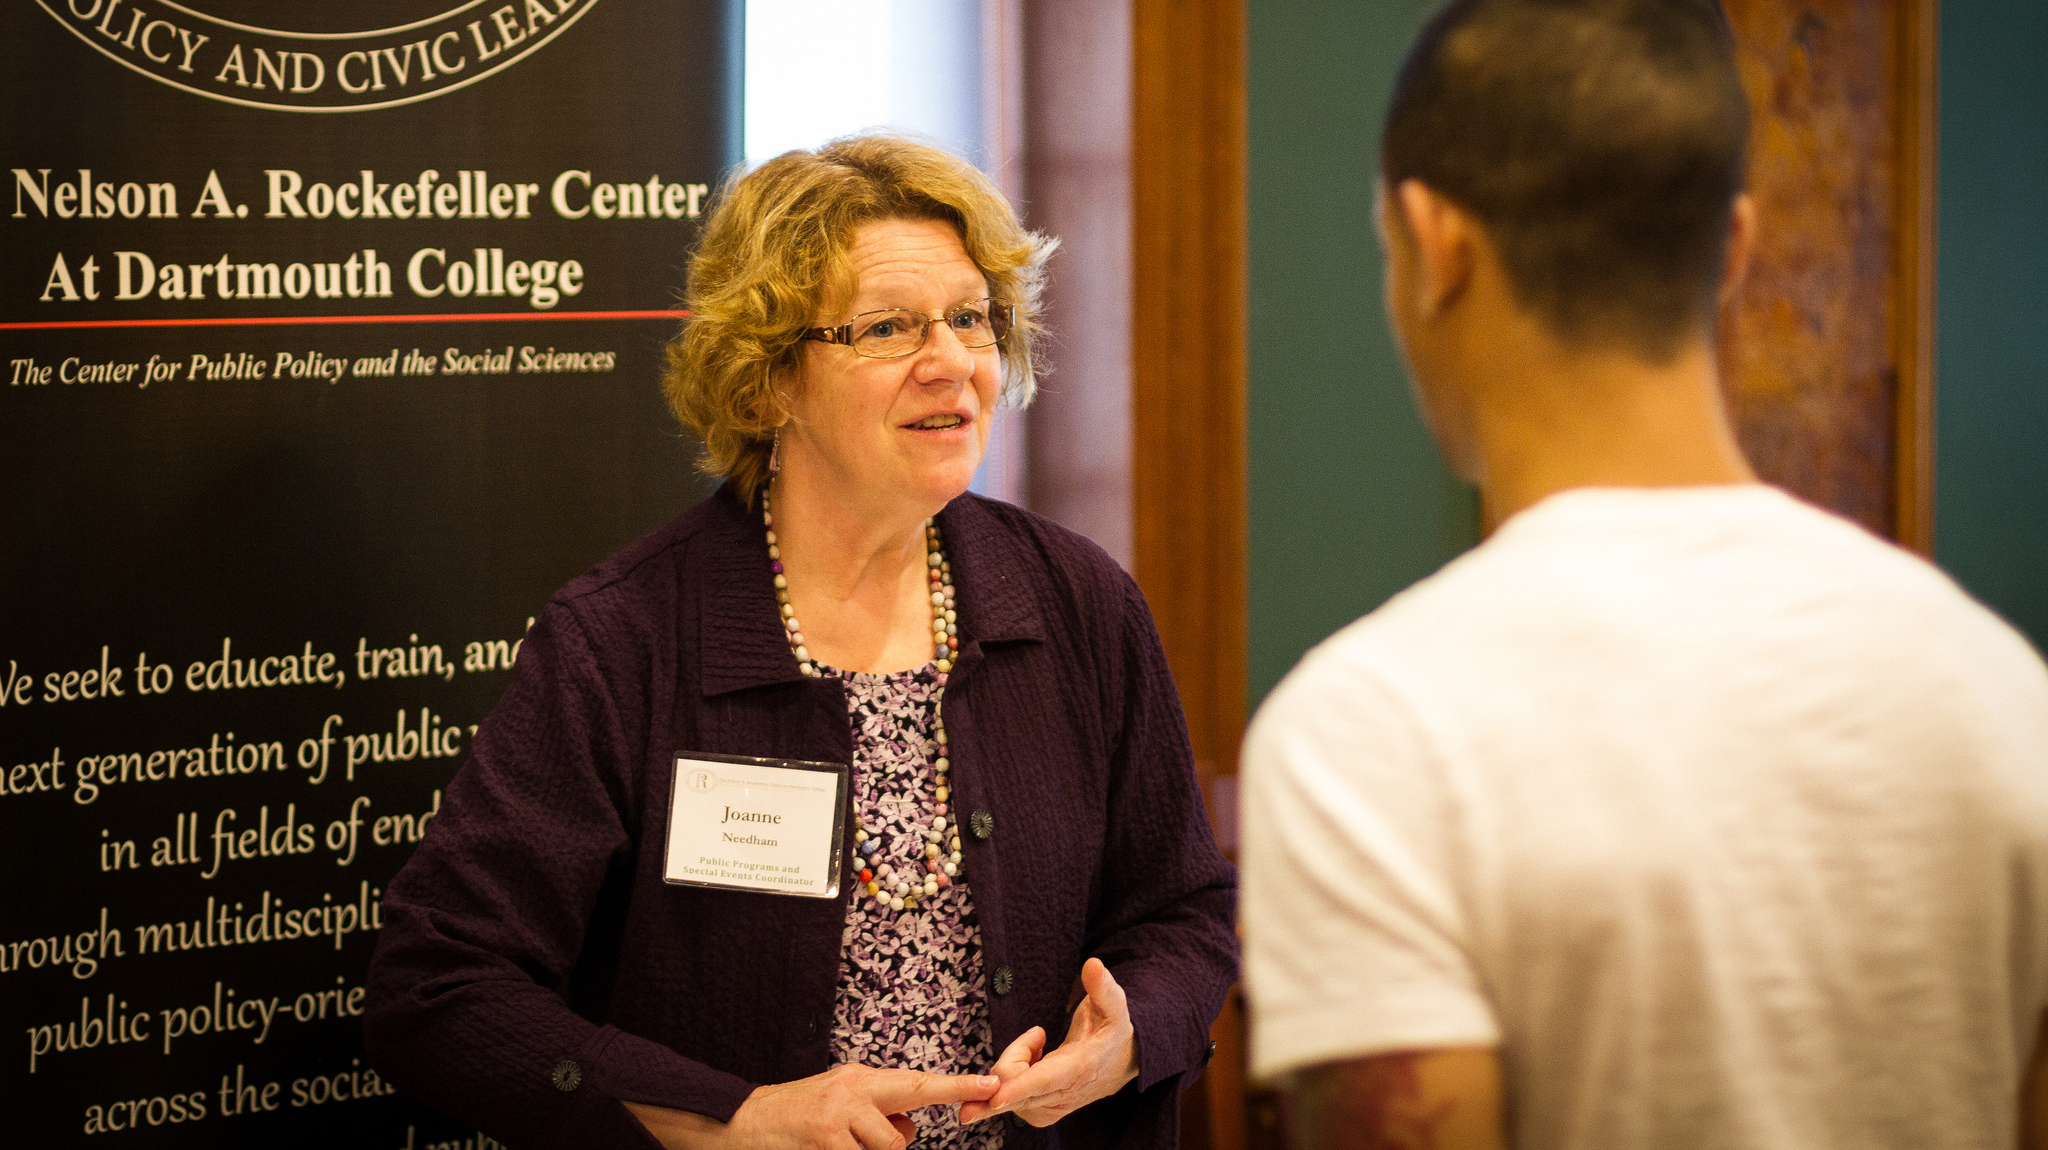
890,334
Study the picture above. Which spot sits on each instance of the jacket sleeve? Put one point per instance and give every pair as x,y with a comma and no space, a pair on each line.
1164,923
485,923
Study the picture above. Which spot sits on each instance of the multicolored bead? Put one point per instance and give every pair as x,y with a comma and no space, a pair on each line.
880,880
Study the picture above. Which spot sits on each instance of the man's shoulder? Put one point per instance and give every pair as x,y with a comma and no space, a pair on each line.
1355,689
1587,585
1588,555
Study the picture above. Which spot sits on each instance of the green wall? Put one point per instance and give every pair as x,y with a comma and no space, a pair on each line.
1991,337
1348,501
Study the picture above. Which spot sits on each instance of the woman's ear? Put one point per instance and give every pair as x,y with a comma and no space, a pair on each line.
785,383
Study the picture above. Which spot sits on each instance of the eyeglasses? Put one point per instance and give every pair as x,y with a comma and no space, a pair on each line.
898,332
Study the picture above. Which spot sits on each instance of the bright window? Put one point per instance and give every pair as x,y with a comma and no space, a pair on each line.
817,69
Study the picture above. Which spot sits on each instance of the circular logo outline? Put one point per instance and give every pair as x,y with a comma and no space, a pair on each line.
537,43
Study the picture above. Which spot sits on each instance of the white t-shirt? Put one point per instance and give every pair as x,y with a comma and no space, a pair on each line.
1725,821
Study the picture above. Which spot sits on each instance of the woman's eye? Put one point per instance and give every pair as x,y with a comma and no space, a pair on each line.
881,329
967,320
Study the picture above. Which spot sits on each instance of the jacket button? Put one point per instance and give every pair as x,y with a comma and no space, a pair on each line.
981,824
1209,1055
1003,980
567,1075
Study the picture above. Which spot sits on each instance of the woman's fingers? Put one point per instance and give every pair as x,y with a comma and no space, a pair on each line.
1022,1095
895,1091
1097,1058
1102,1008
1020,1054
1103,992
876,1132
1054,1074
848,1107
1017,1058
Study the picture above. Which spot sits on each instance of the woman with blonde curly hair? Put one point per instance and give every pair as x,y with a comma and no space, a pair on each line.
1021,928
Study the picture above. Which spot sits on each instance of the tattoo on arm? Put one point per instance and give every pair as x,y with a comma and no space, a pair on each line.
2034,1094
1406,1100
1372,1104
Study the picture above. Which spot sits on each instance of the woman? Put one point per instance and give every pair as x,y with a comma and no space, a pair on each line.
858,312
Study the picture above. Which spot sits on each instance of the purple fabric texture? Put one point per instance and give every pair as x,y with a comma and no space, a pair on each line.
910,989
532,928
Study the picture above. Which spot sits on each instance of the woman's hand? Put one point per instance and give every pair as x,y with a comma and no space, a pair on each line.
1098,1057
848,1107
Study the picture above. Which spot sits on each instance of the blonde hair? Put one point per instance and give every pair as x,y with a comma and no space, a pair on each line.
777,242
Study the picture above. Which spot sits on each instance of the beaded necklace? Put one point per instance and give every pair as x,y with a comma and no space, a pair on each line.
897,885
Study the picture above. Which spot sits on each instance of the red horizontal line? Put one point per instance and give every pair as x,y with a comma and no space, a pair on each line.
288,320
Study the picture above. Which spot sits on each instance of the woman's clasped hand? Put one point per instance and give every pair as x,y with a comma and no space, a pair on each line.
853,1107
1099,1056
849,1107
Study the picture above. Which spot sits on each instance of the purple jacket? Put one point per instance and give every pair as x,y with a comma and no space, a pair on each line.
534,968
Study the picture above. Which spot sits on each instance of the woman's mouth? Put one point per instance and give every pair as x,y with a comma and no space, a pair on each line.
943,422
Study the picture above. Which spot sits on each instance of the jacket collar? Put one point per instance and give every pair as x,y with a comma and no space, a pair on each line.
999,580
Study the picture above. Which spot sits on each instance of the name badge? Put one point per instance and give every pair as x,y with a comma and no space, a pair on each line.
769,825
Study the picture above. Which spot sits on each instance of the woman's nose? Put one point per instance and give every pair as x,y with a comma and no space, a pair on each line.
943,356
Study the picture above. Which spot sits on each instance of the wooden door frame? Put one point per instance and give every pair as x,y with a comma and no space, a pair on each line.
1188,355
1189,299
1913,274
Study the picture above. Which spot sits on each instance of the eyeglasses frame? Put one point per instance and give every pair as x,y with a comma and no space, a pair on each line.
843,333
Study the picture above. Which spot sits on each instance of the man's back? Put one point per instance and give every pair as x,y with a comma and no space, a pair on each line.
1723,820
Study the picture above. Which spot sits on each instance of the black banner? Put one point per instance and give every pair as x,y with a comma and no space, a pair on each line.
331,338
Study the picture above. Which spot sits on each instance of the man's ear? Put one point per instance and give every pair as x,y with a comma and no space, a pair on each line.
1442,234
1741,245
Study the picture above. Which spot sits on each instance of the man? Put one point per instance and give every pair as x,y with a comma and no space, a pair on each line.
1678,813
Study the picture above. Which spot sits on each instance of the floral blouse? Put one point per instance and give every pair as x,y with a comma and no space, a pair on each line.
911,992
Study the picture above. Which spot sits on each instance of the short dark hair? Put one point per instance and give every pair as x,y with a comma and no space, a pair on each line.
1600,142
